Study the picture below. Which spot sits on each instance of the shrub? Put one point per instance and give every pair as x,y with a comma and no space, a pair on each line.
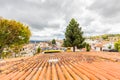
109,47
52,51
69,49
38,50
88,47
117,45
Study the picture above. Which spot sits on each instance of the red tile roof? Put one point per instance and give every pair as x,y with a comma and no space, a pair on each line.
63,66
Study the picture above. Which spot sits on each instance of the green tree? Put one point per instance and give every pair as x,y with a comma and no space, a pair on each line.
88,47
105,36
13,33
38,49
54,42
110,46
74,35
117,45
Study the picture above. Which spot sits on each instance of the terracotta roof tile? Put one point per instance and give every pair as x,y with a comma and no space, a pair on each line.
63,66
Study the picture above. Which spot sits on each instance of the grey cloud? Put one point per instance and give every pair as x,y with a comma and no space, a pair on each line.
108,15
38,14
106,8
39,27
94,32
54,26
86,21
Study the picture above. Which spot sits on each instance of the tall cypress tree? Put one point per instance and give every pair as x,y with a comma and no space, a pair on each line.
74,35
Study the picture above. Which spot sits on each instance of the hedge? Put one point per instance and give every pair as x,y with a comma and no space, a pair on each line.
52,51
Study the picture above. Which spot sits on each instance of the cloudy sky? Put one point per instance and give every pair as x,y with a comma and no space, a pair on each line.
48,18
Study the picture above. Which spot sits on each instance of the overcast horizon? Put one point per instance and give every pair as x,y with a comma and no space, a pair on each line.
48,19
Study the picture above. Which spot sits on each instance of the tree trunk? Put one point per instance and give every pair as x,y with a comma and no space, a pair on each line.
73,48
1,50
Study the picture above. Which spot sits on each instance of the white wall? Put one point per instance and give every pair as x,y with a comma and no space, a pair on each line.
97,49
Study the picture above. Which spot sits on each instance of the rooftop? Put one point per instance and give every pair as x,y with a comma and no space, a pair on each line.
63,66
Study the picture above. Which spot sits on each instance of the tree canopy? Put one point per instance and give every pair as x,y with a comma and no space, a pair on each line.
53,42
104,36
88,47
117,45
38,49
74,35
13,33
